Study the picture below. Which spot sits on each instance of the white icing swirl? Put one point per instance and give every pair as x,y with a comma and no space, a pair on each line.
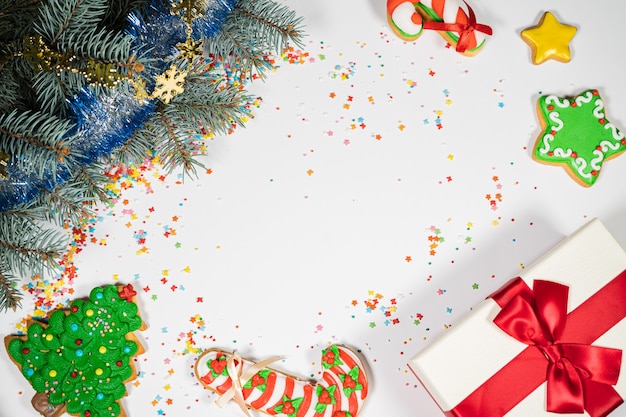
606,145
581,164
596,163
598,110
546,143
552,99
584,98
555,118
617,135
561,153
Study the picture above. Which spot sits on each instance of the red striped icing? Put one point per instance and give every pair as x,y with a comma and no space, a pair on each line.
306,402
267,394
438,6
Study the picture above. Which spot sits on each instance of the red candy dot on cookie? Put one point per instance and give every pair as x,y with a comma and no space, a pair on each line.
26,351
74,374
550,107
87,413
594,172
118,363
74,309
573,104
574,155
79,342
602,121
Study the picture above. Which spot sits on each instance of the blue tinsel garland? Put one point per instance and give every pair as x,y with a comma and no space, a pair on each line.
105,121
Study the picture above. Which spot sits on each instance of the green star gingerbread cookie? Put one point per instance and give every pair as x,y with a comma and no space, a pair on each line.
577,135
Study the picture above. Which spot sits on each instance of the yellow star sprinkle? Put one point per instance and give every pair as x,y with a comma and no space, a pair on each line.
549,39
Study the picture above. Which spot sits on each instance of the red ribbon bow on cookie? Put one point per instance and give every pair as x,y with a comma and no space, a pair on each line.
578,375
465,30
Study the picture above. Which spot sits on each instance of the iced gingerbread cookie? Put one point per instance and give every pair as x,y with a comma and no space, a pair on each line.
79,361
340,393
549,39
454,20
577,135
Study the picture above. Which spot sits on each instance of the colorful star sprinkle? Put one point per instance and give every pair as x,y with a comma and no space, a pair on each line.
577,135
549,39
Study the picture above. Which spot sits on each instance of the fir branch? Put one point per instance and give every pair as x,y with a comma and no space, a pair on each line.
137,148
118,10
70,201
39,142
27,247
173,143
93,179
10,295
279,24
255,29
216,104
98,44
16,18
57,16
9,91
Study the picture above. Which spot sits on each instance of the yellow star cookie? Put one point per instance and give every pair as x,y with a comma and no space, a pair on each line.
549,39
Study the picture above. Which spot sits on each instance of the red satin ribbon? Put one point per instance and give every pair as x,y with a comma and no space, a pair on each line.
579,376
464,30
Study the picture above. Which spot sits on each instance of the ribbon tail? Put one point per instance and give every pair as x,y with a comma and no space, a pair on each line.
565,389
600,399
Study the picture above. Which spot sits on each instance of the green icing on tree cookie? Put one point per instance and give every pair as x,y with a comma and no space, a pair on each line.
82,357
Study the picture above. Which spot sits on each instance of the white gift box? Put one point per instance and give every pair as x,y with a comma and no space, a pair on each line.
475,348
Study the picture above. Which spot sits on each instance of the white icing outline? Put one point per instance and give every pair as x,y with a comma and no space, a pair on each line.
546,143
584,99
598,110
401,18
617,134
581,165
553,99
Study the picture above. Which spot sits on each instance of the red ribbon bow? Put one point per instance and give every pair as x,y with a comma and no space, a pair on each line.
538,319
559,351
465,30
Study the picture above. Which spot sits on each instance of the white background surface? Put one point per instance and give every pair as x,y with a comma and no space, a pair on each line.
304,213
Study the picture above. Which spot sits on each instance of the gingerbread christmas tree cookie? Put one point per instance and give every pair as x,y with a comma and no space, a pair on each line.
79,361
577,135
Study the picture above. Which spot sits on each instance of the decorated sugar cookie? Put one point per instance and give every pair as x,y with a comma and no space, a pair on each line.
454,20
79,361
549,39
340,393
577,135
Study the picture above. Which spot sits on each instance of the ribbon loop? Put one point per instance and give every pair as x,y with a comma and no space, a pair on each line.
465,30
234,365
540,321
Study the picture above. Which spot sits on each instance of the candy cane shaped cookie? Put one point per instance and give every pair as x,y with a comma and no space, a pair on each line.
455,21
340,393
404,19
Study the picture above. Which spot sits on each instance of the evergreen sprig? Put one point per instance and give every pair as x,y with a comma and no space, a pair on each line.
72,74
10,295
38,142
254,28
34,250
